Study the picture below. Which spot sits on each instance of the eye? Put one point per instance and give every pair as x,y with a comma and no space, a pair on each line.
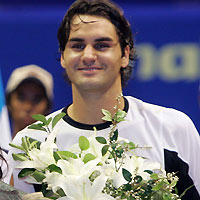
21,97
101,46
78,46
36,99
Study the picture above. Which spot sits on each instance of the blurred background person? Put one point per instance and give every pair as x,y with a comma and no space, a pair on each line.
29,91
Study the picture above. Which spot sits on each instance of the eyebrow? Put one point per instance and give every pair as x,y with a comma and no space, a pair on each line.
96,40
104,39
75,40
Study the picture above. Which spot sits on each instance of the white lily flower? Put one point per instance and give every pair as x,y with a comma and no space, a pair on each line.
74,169
43,157
109,169
55,180
95,149
77,167
136,166
83,189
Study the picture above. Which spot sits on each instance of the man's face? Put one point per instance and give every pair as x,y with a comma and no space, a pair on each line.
92,56
28,99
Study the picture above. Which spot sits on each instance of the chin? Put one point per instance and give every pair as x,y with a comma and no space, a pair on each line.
91,85
28,122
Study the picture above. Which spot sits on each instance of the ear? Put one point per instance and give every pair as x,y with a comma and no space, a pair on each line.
125,58
62,61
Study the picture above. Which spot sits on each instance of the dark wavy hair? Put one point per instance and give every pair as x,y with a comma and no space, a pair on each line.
114,14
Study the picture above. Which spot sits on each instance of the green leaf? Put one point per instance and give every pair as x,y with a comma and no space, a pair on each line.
54,168
49,121
37,127
48,193
84,143
19,156
120,116
17,147
138,179
25,144
130,198
38,143
154,176
119,152
127,187
158,186
57,118
148,171
40,117
26,172
64,155
88,157
101,140
39,176
61,192
186,191
114,136
107,115
104,150
33,144
127,175
167,197
131,145
114,146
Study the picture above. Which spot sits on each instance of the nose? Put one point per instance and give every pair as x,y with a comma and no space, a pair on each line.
28,105
88,56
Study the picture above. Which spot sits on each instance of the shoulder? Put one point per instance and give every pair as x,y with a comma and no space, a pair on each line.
170,122
32,133
161,113
53,114
174,126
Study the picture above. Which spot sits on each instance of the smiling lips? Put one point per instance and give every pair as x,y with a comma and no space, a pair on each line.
90,68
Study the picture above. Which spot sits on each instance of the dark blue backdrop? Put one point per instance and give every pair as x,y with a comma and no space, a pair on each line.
167,40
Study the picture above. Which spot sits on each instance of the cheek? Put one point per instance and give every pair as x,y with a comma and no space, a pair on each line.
113,61
114,56
70,58
15,105
16,110
41,107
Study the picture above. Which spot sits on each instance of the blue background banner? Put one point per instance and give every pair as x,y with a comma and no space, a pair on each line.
167,39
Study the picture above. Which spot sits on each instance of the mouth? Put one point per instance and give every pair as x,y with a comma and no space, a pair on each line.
89,68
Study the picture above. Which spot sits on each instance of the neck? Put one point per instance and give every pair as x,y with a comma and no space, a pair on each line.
15,131
16,128
86,107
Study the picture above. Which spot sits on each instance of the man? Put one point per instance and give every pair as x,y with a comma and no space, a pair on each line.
97,50
29,91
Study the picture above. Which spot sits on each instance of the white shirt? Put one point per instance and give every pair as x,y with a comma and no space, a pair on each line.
170,134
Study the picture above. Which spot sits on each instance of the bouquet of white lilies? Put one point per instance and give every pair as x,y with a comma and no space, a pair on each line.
96,168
